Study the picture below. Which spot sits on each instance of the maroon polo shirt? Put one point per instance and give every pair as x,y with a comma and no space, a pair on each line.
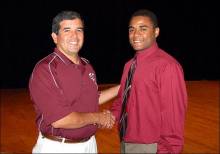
157,102
57,88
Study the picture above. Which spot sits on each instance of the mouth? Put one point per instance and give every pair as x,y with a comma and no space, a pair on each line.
136,41
73,45
73,42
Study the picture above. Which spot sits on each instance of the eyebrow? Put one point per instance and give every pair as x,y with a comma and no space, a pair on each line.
141,26
66,28
144,26
81,28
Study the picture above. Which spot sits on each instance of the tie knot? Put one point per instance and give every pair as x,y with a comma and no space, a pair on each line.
134,62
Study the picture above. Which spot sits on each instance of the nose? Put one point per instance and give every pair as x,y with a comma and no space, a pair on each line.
73,34
136,32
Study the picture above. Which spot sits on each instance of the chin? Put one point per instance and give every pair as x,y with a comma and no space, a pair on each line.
74,50
137,49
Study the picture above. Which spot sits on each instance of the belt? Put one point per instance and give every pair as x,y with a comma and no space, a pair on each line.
60,139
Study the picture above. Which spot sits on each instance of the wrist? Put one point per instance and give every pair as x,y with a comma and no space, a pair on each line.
95,118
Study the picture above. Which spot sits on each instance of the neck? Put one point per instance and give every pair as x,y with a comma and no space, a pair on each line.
74,58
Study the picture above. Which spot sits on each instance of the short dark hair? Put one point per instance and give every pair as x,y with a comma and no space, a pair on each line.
64,15
146,13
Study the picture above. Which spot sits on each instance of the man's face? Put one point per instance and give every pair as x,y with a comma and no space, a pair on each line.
142,33
70,37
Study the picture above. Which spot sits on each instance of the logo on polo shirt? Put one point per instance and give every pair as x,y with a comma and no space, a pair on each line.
92,77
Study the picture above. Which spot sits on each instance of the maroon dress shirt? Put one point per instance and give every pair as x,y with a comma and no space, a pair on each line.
157,103
57,88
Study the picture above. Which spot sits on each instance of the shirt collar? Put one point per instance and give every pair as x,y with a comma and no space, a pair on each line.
146,52
66,60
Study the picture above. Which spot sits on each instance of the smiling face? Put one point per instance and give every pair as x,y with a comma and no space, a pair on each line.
70,37
142,33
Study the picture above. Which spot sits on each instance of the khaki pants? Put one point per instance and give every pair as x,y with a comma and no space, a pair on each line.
138,148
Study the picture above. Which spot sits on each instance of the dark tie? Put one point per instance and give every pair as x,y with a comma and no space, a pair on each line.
123,118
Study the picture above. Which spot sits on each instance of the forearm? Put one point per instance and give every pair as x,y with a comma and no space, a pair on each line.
108,94
76,120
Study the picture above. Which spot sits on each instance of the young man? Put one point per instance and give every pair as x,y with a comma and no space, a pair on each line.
65,95
151,105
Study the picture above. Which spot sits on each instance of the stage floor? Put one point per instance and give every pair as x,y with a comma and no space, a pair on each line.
18,131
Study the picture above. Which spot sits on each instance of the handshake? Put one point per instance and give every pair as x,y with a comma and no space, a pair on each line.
105,119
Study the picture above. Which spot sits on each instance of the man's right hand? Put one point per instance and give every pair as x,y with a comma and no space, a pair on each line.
106,119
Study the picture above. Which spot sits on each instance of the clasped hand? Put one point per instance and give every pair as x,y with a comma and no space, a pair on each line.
106,119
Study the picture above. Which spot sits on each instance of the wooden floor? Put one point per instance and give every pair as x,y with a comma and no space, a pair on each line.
18,131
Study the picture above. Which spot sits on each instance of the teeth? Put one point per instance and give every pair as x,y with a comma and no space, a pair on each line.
137,41
73,42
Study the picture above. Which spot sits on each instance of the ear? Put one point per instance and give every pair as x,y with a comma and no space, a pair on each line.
54,36
157,32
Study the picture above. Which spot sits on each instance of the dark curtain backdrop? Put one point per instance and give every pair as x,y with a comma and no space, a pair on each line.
188,31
